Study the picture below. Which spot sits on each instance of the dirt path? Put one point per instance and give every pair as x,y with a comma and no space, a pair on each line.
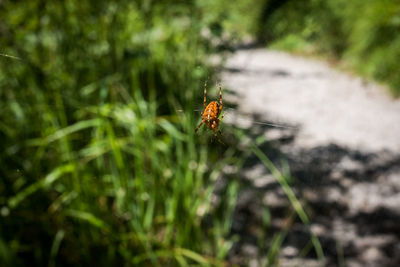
344,155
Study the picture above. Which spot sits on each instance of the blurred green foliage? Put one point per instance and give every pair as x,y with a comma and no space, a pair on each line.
363,33
97,166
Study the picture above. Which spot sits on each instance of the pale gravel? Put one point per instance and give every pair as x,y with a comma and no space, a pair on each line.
327,105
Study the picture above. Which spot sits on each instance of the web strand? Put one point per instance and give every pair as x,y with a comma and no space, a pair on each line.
9,56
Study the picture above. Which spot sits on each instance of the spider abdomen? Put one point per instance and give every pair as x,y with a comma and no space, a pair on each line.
211,112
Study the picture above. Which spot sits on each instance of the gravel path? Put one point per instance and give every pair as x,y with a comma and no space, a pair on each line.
330,107
344,156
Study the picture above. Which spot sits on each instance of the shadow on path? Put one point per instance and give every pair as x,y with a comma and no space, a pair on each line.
351,197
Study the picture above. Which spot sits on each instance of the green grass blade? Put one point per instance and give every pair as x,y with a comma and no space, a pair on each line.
66,131
87,217
291,196
56,246
46,182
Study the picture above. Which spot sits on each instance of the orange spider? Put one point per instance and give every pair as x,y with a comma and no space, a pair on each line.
211,113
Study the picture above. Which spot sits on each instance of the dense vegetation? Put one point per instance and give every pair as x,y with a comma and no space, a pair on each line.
364,34
97,165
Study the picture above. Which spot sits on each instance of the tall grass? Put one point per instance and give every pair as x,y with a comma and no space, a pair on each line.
96,166
270,243
295,203
136,192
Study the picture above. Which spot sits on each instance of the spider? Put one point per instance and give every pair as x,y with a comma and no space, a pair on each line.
211,113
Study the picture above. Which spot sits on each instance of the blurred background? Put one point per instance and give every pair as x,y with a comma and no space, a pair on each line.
99,163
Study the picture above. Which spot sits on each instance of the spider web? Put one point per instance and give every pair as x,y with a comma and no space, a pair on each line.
234,117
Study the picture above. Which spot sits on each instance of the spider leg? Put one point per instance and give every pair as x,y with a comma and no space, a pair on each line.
216,136
198,127
205,94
